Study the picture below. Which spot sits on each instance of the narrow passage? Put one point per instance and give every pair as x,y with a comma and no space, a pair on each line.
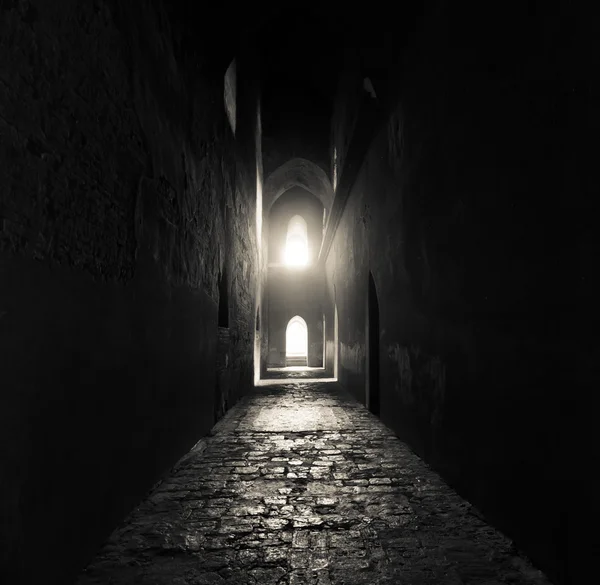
299,484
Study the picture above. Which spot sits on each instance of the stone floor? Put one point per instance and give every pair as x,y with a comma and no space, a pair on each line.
299,484
293,373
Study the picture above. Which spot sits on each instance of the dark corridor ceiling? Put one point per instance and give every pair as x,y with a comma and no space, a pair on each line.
299,59
302,52
301,48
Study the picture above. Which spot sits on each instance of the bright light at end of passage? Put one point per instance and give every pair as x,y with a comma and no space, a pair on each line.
296,253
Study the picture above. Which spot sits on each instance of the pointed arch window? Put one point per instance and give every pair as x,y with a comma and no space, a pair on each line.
296,242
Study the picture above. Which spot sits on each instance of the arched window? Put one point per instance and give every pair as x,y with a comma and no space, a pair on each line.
296,338
296,242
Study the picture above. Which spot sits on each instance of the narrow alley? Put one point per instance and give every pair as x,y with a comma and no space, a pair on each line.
299,484
297,293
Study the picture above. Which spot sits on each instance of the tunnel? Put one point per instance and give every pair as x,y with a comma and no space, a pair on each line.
297,294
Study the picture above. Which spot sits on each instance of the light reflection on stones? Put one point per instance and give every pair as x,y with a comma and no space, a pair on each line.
302,485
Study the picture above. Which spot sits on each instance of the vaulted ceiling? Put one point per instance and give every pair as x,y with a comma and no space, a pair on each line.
299,64
301,51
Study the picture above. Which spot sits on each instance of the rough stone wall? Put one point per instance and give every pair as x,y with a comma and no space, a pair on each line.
347,273
117,161
263,312
348,98
223,384
469,211
243,255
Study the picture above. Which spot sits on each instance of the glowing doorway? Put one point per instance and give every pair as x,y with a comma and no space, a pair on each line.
296,342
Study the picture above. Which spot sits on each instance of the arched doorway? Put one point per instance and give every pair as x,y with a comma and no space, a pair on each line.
372,389
296,342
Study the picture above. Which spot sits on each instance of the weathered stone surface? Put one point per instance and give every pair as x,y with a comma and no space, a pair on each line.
301,484
117,165
451,210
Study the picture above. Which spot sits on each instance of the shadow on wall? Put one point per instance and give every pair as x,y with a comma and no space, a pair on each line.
456,214
373,354
108,333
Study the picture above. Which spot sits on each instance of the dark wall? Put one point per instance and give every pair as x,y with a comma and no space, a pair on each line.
349,95
116,165
472,211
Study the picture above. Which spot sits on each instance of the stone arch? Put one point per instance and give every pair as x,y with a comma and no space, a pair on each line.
298,172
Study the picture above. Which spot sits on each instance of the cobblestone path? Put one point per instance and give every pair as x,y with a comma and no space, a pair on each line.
299,484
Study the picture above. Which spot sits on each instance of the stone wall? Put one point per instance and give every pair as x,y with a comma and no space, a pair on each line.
470,212
347,103
117,163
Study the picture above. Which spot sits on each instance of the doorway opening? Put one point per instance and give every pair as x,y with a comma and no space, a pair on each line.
372,389
296,342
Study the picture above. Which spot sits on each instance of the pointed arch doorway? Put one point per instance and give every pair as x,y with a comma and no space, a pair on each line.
296,342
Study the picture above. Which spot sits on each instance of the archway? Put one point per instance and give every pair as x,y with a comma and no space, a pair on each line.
296,342
372,390
298,172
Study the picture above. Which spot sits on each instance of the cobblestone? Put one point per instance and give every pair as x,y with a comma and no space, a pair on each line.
301,485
